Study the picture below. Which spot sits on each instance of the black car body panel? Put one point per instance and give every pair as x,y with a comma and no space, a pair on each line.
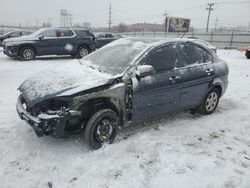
50,42
248,53
191,72
103,39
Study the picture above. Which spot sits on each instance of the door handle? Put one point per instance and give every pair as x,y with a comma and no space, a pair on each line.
173,78
209,71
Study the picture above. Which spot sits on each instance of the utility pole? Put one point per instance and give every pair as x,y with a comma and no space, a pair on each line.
70,19
109,22
215,25
209,8
248,29
165,21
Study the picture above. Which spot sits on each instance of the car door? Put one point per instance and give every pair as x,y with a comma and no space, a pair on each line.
47,43
65,41
158,93
197,72
102,39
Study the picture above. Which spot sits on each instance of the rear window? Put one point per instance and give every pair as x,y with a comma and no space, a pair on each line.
83,33
194,55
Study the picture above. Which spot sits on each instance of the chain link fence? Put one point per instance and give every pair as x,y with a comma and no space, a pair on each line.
224,39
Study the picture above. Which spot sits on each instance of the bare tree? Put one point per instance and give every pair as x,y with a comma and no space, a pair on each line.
86,25
122,27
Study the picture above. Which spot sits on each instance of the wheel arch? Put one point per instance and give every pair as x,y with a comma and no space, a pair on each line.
27,45
84,45
91,106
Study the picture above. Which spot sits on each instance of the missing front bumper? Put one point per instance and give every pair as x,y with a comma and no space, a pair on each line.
46,124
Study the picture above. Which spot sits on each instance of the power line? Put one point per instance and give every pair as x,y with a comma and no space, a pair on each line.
209,8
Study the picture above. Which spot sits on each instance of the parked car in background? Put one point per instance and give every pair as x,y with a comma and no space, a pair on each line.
103,39
50,41
248,52
13,34
123,83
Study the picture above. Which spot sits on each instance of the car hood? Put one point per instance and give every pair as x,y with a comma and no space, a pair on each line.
65,80
20,39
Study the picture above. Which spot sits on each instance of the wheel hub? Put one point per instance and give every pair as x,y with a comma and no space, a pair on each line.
211,101
104,130
83,52
28,54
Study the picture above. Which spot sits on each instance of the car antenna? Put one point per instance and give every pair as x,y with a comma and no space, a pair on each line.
183,35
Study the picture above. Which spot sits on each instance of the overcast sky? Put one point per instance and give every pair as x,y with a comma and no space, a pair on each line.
26,12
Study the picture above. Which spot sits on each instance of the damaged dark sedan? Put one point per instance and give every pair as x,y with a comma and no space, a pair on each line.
124,83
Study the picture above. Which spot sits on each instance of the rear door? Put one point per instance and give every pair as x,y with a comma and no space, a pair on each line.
196,73
159,93
65,40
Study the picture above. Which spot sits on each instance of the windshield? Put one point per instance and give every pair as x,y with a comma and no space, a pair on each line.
37,33
117,56
7,33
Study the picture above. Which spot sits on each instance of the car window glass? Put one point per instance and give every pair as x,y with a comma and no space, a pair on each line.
14,34
83,33
101,36
64,33
49,33
207,57
164,58
108,35
25,33
194,55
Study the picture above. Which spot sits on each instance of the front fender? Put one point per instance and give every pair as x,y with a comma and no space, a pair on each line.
115,94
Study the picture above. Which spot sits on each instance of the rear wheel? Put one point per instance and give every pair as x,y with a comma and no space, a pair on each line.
101,128
27,53
210,102
82,51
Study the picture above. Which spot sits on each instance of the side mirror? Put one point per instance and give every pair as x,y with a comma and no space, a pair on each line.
144,70
41,37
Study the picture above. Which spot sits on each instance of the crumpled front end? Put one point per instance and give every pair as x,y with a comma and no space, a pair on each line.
47,121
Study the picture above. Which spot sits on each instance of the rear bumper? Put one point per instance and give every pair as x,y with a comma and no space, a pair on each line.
47,124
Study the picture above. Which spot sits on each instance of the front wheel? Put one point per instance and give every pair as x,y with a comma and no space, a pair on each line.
27,53
101,128
210,102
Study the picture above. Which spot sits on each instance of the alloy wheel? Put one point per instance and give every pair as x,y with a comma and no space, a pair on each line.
211,101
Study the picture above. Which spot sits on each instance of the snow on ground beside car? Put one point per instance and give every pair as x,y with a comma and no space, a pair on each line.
181,150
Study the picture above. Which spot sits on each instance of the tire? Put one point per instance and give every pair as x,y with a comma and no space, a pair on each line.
27,53
210,102
101,128
82,51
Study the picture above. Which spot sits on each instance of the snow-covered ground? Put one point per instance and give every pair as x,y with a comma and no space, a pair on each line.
182,150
